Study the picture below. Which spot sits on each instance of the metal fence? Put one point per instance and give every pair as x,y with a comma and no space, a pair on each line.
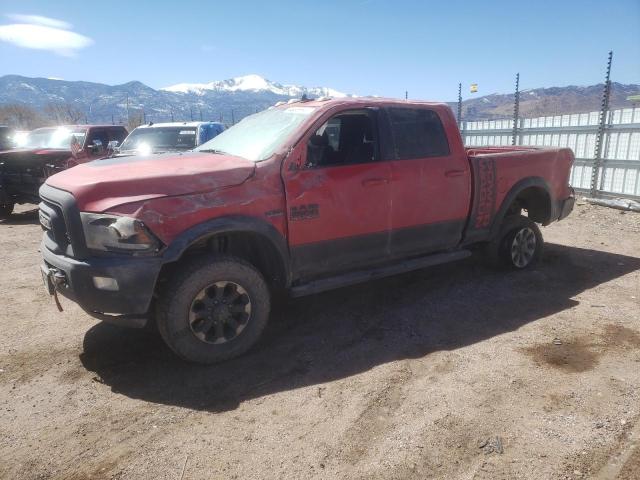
619,172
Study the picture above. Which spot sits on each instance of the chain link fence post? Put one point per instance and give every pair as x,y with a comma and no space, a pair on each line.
604,108
516,111
460,108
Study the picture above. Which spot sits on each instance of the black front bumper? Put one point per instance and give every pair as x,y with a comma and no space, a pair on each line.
128,305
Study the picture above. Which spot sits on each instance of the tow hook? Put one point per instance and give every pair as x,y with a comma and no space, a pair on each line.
58,279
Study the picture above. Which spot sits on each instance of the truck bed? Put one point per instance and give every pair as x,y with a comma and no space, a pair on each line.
499,171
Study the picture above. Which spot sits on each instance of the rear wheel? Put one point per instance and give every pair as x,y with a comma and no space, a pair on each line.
519,244
214,309
6,209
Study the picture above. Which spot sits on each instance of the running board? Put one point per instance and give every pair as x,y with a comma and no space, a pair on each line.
360,276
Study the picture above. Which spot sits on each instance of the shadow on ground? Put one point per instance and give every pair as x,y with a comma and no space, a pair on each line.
341,333
29,217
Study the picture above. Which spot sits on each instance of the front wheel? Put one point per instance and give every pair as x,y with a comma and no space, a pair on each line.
215,308
519,244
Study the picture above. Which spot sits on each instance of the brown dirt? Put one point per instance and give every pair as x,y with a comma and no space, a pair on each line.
404,377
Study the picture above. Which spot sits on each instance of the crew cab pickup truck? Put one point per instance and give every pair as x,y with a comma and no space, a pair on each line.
47,151
301,198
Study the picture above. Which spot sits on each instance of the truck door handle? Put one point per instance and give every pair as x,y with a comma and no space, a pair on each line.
454,173
371,182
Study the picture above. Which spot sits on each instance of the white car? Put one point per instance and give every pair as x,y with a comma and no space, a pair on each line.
168,137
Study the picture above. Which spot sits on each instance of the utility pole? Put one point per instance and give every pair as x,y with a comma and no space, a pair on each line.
604,109
191,110
112,123
460,105
516,111
220,117
172,115
127,109
233,118
406,94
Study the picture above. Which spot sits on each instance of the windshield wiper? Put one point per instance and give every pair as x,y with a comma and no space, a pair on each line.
214,151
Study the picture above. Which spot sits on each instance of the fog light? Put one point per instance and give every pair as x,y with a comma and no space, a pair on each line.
106,283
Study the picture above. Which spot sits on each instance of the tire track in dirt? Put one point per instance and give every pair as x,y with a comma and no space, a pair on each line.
376,417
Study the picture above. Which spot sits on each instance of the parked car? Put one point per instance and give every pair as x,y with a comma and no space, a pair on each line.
19,138
168,137
46,151
303,198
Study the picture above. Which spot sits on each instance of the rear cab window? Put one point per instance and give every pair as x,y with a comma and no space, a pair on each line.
415,133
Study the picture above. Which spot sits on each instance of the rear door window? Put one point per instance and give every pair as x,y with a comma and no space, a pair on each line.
416,133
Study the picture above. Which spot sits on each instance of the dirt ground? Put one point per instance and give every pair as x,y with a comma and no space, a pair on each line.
457,371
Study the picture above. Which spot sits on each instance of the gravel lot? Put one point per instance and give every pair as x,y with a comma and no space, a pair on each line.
457,371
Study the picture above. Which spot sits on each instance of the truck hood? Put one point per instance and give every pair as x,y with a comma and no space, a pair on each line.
103,184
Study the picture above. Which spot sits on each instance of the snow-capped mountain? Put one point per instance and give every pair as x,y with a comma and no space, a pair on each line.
253,83
226,100
230,100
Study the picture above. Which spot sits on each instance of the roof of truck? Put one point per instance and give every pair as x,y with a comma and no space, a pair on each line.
176,124
81,126
323,102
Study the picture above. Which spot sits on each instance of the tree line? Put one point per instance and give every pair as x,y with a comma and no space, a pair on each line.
24,117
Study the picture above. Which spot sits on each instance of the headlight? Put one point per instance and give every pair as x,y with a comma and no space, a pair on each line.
114,233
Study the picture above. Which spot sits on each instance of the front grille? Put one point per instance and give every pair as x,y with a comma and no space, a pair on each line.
52,221
60,219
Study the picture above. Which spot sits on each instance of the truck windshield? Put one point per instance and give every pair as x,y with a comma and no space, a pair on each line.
58,138
161,138
257,136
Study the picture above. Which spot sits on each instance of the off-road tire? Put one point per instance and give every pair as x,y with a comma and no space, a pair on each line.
177,297
502,252
6,210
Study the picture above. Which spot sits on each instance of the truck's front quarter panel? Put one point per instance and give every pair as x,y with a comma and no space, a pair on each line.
260,197
123,284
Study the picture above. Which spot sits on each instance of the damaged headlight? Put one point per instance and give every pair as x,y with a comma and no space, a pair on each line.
114,233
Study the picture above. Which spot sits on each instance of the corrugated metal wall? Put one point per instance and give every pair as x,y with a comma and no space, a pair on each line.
620,172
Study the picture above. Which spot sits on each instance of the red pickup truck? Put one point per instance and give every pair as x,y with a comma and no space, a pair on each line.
46,151
302,197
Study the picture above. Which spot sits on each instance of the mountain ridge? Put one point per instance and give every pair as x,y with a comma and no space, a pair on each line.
230,100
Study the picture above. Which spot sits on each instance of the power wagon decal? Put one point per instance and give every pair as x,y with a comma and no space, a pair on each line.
304,212
486,197
483,209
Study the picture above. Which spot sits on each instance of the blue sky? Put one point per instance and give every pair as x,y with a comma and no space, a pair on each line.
381,47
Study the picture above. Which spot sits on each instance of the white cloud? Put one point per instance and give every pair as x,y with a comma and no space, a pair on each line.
43,33
40,20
